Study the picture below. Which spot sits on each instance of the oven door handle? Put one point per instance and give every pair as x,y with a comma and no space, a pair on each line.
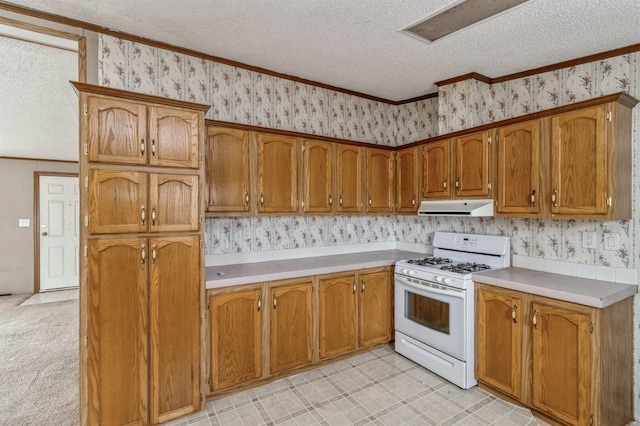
426,289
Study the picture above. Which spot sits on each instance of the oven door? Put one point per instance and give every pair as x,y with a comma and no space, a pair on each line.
431,313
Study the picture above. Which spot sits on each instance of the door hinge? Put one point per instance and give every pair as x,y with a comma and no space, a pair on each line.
489,140
200,157
86,251
591,421
609,201
591,326
86,221
86,341
85,148
208,306
489,186
609,116
86,109
86,181
303,148
497,136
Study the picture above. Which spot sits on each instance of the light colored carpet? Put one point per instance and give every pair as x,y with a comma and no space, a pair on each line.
38,362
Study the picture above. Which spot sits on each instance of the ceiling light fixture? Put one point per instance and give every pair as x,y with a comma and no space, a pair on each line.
457,16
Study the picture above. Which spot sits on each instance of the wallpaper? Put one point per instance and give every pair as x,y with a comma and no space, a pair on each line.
243,96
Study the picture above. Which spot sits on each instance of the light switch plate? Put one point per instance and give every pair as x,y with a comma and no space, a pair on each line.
24,223
611,241
589,240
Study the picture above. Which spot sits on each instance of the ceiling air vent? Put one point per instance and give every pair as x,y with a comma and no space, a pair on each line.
459,16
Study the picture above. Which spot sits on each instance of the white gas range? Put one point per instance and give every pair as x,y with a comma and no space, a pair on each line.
434,302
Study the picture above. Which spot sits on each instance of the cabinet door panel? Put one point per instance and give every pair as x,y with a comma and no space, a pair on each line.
117,202
436,170
117,351
318,173
174,203
227,170
562,363
579,162
277,174
174,326
117,131
236,338
174,137
379,181
407,165
374,307
519,168
290,321
349,178
499,340
472,165
337,315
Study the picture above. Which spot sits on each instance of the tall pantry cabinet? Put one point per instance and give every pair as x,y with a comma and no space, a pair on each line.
141,257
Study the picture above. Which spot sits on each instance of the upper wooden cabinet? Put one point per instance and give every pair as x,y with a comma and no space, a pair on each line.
380,188
290,320
277,173
472,166
591,161
236,336
228,171
129,132
436,170
407,178
349,178
317,164
124,202
520,185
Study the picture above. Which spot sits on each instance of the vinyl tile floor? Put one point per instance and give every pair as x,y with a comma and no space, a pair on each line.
378,387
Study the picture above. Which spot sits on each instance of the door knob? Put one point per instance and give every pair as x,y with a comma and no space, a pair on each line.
45,233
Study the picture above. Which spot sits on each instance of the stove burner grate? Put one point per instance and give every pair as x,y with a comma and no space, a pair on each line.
464,268
429,261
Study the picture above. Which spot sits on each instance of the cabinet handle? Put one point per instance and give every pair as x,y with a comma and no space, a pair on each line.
513,314
246,198
369,201
261,199
142,148
340,200
362,282
275,302
444,185
535,320
259,302
143,254
354,287
153,148
413,203
153,215
457,183
153,254
533,198
330,200
553,198
142,214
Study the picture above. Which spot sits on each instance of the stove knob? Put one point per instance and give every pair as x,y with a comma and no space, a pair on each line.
447,280
439,278
404,271
412,272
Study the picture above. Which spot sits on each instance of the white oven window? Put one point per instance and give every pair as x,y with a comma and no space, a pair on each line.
427,312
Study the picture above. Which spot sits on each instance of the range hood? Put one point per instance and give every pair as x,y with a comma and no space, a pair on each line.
475,208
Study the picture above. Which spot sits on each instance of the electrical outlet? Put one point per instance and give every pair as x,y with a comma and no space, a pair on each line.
611,241
589,240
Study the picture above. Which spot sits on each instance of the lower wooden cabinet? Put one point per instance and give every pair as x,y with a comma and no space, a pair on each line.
236,337
374,307
565,360
265,329
143,330
290,325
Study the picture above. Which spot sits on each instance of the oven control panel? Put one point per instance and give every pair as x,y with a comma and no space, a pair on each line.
466,241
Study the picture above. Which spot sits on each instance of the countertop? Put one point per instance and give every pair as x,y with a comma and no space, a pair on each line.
247,273
595,293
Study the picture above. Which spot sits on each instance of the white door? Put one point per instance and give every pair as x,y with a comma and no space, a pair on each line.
59,232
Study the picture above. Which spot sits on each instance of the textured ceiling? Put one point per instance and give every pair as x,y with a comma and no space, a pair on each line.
357,44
